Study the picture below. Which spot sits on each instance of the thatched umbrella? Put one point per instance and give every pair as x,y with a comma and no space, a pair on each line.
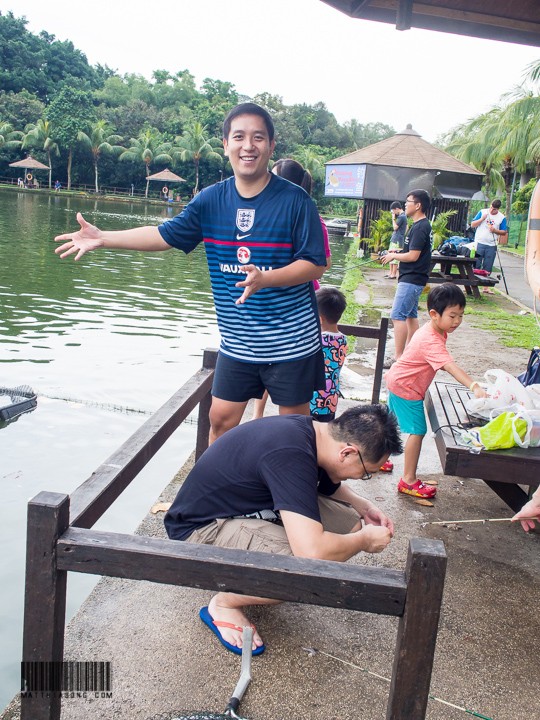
29,163
166,176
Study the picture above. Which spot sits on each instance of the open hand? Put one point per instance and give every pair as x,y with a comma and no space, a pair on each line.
252,283
89,237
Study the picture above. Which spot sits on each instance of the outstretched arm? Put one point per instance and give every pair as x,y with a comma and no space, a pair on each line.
89,237
462,377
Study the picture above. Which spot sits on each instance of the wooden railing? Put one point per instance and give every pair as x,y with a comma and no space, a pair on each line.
60,540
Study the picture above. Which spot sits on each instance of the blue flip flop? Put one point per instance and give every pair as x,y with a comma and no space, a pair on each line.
209,621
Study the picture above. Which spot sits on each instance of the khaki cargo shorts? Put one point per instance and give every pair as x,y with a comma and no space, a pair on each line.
264,536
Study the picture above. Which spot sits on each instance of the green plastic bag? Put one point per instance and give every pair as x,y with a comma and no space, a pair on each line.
499,433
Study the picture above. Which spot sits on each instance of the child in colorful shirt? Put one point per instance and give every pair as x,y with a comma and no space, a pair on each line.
331,304
409,377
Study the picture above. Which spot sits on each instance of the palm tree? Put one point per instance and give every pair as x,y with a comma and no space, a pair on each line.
310,160
469,142
194,146
149,148
40,135
99,142
9,138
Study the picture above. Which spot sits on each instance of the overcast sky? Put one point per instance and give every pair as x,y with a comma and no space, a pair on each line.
302,50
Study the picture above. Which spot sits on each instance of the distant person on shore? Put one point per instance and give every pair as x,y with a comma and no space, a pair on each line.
528,511
294,172
490,228
57,185
399,223
414,262
277,485
409,377
331,303
264,246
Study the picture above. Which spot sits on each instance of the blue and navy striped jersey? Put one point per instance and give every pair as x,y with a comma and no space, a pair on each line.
270,230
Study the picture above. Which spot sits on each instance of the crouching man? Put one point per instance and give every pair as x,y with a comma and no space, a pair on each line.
276,485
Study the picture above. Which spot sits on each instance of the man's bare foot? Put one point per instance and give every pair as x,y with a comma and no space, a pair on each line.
219,610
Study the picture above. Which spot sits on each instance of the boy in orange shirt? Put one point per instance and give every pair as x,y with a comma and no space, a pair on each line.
409,377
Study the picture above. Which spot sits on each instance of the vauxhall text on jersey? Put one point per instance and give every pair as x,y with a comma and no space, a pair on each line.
270,231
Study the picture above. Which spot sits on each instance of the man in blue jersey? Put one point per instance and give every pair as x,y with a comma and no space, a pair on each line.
264,246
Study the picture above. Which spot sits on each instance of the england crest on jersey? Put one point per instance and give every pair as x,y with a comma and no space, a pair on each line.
245,219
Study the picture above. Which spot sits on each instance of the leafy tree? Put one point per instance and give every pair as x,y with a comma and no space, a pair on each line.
20,109
522,198
40,135
100,141
70,112
195,145
38,63
149,148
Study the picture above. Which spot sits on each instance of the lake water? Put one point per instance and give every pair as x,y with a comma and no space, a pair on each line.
104,342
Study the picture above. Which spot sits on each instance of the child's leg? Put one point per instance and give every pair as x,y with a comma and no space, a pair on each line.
413,446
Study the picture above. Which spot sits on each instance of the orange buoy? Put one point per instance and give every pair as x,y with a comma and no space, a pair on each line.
532,244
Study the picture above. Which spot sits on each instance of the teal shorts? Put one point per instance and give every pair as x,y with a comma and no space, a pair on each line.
410,414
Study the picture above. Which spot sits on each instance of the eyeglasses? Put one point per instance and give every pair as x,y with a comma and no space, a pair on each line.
367,475
411,202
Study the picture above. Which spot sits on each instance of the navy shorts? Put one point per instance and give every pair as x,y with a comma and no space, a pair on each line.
288,383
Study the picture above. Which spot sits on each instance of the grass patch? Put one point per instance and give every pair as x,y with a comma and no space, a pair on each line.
511,329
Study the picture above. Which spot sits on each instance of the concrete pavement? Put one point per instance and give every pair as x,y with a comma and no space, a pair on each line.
487,662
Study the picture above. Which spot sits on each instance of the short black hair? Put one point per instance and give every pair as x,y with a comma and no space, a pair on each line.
248,108
422,197
331,303
395,205
372,427
445,295
496,203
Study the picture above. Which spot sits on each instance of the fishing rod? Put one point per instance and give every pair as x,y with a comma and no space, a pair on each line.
481,520
315,651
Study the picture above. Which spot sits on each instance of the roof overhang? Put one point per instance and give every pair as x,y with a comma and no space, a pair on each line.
516,21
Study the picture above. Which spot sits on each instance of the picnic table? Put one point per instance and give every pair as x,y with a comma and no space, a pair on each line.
502,470
464,274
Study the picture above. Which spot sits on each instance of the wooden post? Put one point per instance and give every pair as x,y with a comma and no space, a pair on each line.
44,599
417,630
203,427
379,362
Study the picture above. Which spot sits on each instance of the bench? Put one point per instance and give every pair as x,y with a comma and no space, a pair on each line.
464,276
502,470
61,540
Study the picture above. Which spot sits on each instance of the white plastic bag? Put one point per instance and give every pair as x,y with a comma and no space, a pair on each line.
506,389
503,390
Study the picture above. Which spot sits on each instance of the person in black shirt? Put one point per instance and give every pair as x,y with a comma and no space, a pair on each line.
275,485
414,262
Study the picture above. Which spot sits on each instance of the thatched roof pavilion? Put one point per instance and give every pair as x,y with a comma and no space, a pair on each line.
388,170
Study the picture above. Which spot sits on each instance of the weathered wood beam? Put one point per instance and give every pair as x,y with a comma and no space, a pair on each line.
292,579
91,499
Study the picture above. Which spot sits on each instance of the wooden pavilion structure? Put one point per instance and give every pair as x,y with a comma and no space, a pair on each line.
515,21
388,170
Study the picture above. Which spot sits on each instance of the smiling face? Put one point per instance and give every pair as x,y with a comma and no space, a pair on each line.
450,319
249,149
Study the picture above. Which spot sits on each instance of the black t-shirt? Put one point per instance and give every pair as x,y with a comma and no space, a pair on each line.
418,238
267,464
